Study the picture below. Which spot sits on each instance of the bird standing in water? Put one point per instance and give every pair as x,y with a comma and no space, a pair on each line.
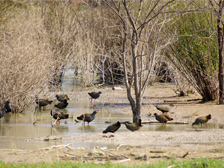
42,102
113,127
94,95
202,120
57,115
134,126
163,118
87,117
7,107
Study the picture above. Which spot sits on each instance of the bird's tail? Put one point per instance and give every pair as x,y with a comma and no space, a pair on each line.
80,118
51,113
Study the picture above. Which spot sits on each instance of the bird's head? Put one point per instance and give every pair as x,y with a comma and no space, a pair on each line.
209,116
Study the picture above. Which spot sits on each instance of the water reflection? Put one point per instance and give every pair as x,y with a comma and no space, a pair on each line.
87,128
59,129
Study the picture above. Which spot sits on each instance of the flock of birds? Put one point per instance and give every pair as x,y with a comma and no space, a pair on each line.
88,117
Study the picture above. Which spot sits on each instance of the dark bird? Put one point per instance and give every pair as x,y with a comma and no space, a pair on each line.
62,105
87,117
57,115
202,120
113,127
2,112
62,97
7,107
94,95
42,102
165,108
134,126
163,118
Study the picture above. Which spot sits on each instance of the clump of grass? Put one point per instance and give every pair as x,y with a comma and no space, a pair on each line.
188,163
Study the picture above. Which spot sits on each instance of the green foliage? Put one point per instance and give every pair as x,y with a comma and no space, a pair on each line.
195,52
188,163
197,41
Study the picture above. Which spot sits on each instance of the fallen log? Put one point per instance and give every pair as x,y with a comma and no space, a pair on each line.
170,122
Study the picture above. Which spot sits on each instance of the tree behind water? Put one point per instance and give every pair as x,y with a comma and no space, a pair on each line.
142,26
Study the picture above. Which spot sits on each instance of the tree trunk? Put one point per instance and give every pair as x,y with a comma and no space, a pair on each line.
220,43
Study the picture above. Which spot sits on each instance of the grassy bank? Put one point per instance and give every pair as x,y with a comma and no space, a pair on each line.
196,163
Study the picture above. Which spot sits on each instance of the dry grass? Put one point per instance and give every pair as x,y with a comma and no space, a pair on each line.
25,58
39,41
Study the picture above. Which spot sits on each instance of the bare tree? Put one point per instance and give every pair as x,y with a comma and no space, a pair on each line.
142,32
218,8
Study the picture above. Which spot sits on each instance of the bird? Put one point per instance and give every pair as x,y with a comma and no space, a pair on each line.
113,127
42,102
57,115
163,118
2,112
62,105
87,117
94,95
7,107
62,97
134,126
165,108
202,120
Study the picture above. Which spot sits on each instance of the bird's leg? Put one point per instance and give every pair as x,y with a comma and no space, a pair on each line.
58,121
55,122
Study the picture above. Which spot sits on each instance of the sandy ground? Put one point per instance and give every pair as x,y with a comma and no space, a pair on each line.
140,147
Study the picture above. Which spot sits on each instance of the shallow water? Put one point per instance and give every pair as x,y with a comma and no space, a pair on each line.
17,129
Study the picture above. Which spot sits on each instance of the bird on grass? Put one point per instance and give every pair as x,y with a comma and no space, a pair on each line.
134,126
202,120
113,127
42,102
62,97
165,108
163,118
57,115
62,105
87,117
94,95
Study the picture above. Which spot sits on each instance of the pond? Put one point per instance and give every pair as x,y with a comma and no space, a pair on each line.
17,129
